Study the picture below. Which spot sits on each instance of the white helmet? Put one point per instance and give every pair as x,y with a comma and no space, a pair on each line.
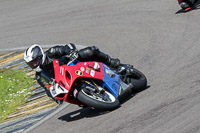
34,56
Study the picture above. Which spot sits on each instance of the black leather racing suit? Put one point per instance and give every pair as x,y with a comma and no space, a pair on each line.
57,52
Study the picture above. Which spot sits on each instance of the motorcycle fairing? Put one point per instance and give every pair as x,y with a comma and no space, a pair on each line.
66,75
111,81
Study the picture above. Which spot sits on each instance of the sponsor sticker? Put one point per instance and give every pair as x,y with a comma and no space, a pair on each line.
79,73
92,73
87,70
82,69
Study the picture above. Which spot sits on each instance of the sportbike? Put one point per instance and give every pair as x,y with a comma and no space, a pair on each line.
94,84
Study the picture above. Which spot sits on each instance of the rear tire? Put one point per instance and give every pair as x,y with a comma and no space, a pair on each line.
139,81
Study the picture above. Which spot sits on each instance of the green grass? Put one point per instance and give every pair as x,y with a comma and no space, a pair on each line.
14,88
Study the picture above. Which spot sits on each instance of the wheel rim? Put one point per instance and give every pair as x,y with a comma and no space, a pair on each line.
105,97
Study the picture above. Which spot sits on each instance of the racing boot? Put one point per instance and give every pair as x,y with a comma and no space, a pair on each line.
114,62
125,72
125,69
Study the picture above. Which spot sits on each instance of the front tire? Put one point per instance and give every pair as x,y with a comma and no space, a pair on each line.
104,101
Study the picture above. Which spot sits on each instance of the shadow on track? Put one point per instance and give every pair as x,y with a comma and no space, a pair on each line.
82,113
89,112
130,96
195,7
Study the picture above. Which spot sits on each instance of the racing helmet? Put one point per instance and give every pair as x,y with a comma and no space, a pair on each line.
185,3
34,57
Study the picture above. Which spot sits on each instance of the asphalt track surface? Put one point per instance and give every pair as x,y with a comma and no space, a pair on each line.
148,34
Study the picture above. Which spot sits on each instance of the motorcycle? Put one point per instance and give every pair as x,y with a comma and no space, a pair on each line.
187,5
94,84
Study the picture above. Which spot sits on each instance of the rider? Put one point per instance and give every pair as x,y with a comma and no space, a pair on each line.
186,4
42,62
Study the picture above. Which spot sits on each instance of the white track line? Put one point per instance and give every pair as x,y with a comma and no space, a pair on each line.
60,108
43,46
64,105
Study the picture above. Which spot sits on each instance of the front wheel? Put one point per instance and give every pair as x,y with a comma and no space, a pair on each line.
103,100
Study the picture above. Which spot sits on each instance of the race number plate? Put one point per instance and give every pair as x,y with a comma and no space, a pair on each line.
57,89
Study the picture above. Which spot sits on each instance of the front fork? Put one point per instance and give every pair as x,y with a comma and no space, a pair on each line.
90,86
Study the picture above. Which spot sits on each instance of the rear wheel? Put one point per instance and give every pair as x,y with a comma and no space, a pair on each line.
139,80
103,100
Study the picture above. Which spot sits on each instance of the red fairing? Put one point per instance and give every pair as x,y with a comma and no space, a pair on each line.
179,1
66,75
187,9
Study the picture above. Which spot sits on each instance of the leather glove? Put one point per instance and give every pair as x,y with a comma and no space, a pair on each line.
73,56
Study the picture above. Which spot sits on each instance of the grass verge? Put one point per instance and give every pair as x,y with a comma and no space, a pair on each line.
14,88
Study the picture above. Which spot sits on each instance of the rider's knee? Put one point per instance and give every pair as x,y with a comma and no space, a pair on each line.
88,52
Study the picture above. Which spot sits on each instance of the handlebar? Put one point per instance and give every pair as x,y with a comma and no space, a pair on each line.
72,57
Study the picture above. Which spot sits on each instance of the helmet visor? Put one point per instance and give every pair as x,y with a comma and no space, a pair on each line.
35,63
